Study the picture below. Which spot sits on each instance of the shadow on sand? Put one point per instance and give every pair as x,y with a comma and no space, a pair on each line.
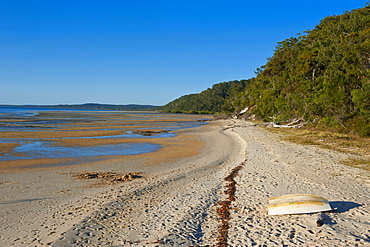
22,200
338,207
342,206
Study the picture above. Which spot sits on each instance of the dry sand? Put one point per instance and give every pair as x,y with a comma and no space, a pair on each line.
176,202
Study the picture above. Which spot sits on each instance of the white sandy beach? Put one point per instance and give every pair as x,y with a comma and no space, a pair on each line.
175,203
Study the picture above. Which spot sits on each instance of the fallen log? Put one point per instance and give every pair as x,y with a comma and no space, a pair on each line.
294,124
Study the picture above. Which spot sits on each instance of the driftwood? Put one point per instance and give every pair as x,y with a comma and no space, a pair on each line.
295,124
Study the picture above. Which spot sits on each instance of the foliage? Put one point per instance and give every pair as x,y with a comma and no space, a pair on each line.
321,75
222,97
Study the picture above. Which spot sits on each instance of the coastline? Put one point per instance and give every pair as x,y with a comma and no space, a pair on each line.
40,204
175,203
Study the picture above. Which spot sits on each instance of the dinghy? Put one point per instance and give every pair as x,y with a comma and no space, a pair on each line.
298,204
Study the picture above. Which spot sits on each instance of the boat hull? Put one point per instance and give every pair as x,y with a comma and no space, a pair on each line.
298,204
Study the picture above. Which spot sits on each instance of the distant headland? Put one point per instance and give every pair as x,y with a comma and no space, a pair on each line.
95,106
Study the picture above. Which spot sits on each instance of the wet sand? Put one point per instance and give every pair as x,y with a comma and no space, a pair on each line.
104,130
176,201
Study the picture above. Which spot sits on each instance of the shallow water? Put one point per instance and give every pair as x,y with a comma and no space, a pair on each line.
44,149
137,125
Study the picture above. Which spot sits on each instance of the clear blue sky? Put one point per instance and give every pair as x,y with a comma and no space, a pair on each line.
141,51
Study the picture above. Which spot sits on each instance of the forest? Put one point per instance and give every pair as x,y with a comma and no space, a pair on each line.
222,97
321,76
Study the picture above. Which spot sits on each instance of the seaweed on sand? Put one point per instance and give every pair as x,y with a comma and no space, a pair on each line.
224,210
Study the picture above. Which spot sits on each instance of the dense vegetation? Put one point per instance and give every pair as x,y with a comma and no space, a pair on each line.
222,97
321,77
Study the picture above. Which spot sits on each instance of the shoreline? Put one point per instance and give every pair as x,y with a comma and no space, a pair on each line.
175,203
68,142
29,190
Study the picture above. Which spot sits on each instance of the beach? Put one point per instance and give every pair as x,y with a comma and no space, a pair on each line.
173,195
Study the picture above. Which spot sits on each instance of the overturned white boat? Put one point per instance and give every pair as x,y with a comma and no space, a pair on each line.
298,204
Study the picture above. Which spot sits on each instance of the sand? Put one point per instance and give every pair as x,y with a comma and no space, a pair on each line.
176,202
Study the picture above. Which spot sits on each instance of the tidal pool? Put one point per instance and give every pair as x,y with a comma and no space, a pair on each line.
43,149
137,126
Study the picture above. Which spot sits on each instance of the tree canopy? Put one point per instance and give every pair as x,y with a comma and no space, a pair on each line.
222,97
321,76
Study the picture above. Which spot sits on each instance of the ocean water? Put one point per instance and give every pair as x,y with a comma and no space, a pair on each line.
11,111
17,122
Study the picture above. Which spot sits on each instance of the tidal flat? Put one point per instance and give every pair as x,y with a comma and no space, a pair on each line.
58,138
205,186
